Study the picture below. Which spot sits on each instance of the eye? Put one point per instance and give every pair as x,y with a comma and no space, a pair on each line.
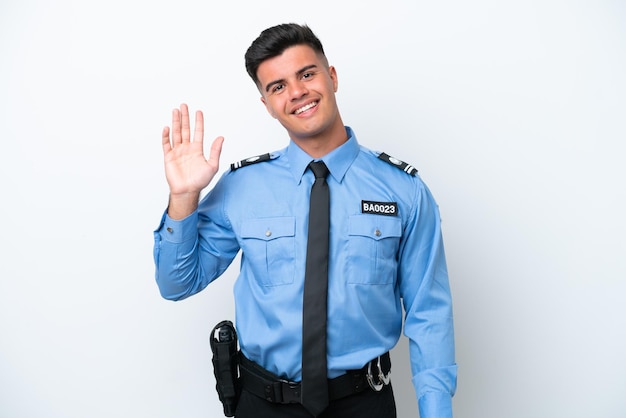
308,75
277,88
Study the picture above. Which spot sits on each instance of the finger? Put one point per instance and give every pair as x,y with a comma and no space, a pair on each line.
176,138
165,140
198,133
216,151
184,123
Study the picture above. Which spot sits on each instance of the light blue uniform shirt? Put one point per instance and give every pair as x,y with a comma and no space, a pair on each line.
385,250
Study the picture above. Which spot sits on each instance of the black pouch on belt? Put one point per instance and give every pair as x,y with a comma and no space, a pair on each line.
223,340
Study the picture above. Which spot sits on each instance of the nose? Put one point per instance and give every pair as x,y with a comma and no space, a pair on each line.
298,90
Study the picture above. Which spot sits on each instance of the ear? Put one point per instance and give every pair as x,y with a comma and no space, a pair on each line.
332,72
269,108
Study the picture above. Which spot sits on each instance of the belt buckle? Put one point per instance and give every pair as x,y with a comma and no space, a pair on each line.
290,391
383,379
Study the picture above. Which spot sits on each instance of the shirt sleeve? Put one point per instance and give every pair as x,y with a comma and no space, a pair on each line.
427,302
192,252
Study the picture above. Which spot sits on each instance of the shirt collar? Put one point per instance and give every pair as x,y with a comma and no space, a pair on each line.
338,160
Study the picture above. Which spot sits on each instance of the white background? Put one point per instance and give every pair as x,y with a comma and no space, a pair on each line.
513,111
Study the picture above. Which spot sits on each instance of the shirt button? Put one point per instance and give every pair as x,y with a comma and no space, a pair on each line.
377,232
169,229
268,233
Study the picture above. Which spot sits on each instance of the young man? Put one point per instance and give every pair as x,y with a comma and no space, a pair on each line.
384,239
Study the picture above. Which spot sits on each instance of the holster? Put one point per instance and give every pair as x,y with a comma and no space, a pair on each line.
223,341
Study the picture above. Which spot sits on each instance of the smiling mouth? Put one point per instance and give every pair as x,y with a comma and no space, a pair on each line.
305,108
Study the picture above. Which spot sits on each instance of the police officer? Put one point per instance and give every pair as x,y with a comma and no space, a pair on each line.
385,246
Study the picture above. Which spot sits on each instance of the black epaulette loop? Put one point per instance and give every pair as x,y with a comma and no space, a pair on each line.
407,168
250,161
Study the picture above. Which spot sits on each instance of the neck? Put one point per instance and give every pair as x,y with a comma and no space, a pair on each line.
319,145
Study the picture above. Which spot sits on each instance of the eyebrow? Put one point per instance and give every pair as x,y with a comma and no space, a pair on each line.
282,80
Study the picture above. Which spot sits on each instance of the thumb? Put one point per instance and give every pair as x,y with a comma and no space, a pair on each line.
215,152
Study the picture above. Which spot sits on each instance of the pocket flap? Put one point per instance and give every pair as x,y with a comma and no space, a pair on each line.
375,226
269,228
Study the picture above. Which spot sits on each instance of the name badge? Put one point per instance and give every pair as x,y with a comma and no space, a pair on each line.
379,208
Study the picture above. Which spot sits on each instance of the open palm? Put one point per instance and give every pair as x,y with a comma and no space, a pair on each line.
187,170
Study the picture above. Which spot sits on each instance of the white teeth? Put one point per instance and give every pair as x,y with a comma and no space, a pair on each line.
305,108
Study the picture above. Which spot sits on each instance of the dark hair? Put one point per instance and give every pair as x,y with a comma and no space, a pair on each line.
275,40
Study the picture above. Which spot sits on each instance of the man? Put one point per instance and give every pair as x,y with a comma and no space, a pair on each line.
384,238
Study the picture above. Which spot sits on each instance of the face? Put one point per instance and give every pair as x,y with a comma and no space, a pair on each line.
298,89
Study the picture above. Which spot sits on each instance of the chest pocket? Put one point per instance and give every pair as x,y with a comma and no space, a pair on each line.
268,246
372,249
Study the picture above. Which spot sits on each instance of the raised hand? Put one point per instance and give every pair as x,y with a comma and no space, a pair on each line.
186,169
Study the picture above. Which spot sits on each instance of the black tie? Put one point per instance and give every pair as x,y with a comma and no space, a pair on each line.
314,370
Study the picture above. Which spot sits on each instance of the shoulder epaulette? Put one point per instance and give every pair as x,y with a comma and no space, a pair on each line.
407,168
250,161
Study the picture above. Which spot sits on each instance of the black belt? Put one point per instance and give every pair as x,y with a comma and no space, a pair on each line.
264,384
